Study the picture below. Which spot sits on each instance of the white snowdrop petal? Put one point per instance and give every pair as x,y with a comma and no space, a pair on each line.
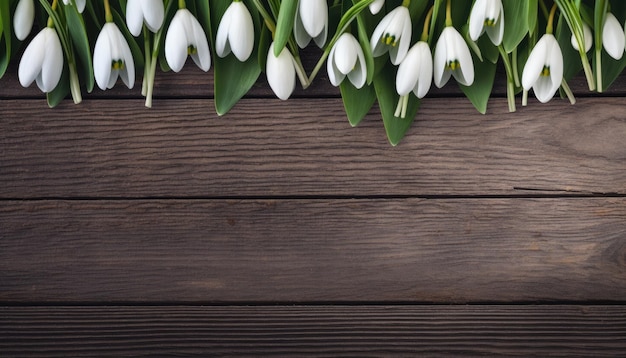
23,18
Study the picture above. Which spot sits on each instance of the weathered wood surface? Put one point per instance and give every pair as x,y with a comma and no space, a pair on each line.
266,148
108,203
319,331
395,250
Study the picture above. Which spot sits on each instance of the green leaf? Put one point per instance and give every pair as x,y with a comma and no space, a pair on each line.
384,84
5,36
60,92
78,34
571,58
478,93
233,79
357,102
515,26
284,25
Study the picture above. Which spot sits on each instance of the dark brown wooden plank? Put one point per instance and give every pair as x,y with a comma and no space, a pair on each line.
192,82
306,147
320,331
455,250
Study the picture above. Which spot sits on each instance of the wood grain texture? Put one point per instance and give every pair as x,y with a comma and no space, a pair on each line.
320,331
404,250
306,147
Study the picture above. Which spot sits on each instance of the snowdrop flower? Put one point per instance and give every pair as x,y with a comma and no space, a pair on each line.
346,58
138,12
613,38
185,37
281,72
587,37
311,22
112,58
376,5
23,18
544,68
393,34
235,32
415,72
80,4
487,15
452,57
42,61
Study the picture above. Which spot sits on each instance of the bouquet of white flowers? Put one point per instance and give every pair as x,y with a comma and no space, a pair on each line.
388,52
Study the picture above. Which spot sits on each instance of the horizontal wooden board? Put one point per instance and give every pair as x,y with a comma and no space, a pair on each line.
320,331
403,250
192,82
266,148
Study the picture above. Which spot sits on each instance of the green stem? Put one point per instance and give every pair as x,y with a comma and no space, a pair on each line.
304,80
449,13
406,3
426,29
510,89
147,52
549,26
319,64
107,11
568,92
151,76
515,68
182,4
267,18
74,84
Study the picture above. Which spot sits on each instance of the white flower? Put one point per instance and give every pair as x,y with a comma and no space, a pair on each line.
185,37
452,57
346,58
415,71
138,12
613,39
376,5
587,37
80,4
235,32
281,72
23,18
42,61
311,22
112,58
544,68
393,34
487,15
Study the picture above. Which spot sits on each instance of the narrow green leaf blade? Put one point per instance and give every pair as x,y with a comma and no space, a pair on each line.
478,93
357,102
396,128
284,24
5,36
233,79
78,34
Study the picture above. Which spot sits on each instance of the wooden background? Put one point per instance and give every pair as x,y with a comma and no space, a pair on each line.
279,230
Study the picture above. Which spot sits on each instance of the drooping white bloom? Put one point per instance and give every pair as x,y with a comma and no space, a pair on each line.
112,58
376,5
80,4
415,72
42,61
281,72
139,12
613,39
185,36
23,18
311,22
235,32
587,37
543,71
452,58
487,15
346,58
393,34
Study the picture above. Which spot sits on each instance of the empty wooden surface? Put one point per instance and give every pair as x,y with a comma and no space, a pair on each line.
279,230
